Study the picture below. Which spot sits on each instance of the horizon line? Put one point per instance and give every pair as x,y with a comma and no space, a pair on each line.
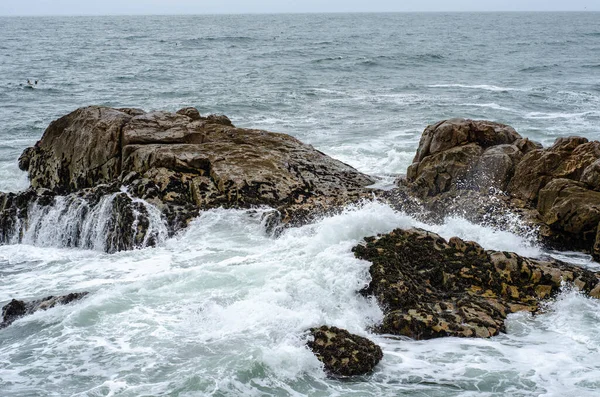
296,13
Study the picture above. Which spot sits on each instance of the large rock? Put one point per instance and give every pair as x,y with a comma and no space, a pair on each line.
178,162
430,287
563,183
458,153
16,309
486,172
573,210
343,353
185,159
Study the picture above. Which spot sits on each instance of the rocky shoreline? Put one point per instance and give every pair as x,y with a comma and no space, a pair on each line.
131,165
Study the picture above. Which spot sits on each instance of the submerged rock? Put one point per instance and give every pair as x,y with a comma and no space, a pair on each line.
343,353
430,287
16,309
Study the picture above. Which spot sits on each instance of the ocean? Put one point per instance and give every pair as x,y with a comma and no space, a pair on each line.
222,308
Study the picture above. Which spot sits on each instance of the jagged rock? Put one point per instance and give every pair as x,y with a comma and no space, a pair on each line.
18,308
343,353
430,287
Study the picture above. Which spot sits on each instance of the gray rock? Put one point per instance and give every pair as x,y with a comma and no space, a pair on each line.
16,309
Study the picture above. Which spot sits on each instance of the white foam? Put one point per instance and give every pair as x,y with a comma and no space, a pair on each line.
225,307
485,87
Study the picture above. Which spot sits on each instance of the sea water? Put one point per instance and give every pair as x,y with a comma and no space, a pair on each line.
222,308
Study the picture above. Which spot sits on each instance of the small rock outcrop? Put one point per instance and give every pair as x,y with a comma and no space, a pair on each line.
573,158
430,287
16,309
343,353
572,210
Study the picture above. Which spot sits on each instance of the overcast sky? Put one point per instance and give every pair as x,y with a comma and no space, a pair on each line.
106,7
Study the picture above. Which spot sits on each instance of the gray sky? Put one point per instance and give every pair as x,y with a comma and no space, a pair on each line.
104,7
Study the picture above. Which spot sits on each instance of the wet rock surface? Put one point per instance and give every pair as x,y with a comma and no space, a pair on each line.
343,353
181,163
457,153
96,217
184,162
16,309
430,287
481,170
185,158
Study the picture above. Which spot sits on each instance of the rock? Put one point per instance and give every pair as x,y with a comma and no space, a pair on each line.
12,311
343,353
14,209
79,150
460,154
190,162
430,287
441,172
18,308
451,133
572,211
596,248
568,158
192,113
485,172
591,176
219,119
115,217
495,168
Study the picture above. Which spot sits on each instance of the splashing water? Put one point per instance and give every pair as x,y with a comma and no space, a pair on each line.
222,309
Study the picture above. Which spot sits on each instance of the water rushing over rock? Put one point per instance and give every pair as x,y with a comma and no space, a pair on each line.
111,222
176,163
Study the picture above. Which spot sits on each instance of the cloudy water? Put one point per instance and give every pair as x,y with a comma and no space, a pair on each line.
222,308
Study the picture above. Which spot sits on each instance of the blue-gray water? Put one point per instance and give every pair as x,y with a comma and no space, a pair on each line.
221,309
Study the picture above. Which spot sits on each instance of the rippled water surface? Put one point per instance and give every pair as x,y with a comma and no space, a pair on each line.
222,309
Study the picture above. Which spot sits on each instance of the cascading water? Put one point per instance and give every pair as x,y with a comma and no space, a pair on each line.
73,221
